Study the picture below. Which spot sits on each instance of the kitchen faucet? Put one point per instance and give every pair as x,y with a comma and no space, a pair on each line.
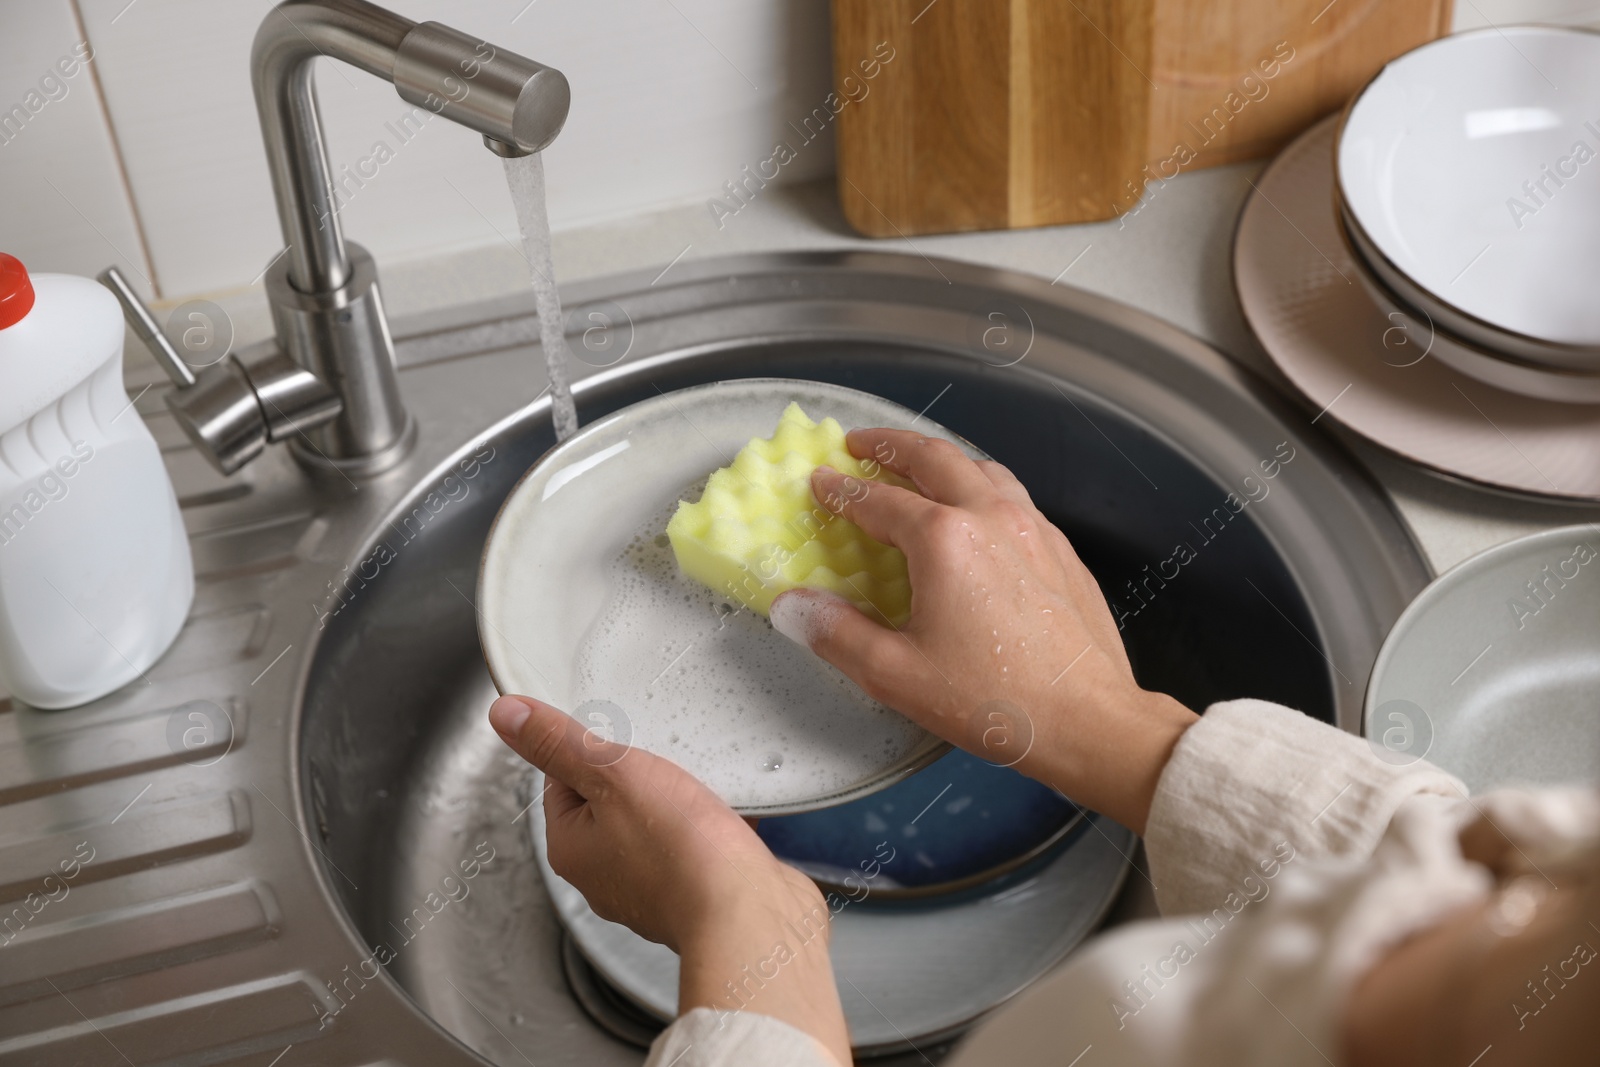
329,383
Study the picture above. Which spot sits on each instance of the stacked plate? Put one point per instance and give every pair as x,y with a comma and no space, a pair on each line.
1467,183
1340,336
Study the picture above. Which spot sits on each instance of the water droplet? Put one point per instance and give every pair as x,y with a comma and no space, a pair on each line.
772,761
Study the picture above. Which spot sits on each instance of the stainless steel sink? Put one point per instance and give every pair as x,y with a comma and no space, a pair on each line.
305,837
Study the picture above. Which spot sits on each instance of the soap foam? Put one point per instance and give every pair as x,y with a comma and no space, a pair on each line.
713,687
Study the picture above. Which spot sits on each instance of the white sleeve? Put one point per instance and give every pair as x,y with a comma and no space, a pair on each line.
706,1038
1258,979
1254,782
1262,975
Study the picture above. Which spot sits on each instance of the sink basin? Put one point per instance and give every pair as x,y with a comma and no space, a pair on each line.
403,778
381,826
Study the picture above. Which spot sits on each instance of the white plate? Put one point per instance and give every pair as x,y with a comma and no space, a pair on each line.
1473,163
1301,294
583,606
907,974
1493,672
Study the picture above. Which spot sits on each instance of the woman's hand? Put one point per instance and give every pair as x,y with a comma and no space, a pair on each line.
1010,651
1493,976
649,846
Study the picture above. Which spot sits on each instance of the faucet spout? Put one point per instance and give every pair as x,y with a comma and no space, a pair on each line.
324,293
517,104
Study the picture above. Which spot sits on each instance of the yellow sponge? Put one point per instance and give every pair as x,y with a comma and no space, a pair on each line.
757,530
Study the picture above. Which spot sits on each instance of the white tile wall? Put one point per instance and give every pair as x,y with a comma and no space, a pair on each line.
670,99
63,205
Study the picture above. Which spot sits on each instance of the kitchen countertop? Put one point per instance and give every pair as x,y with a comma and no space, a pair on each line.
1171,257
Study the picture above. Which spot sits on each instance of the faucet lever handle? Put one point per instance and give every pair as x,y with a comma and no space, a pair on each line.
145,327
238,406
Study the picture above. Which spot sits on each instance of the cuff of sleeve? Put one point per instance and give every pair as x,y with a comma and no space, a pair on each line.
706,1038
1253,784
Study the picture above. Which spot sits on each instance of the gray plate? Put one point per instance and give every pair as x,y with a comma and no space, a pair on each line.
1493,672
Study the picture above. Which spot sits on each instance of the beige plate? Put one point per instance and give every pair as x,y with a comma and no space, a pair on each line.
1301,293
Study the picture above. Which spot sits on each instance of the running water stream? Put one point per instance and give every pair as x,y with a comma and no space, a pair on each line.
525,176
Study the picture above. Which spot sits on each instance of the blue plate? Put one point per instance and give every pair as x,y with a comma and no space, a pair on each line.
958,822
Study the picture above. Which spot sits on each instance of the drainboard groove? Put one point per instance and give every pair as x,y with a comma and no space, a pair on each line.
190,1031
196,732
151,837
58,957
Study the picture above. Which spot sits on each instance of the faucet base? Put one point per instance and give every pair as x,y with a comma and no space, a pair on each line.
309,456
342,337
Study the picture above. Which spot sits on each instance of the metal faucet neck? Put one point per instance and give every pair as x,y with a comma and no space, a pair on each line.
324,294
291,37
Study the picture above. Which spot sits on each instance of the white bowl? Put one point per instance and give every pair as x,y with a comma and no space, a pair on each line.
1431,338
581,604
1472,166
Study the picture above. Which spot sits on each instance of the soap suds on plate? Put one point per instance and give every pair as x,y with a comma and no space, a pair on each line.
711,685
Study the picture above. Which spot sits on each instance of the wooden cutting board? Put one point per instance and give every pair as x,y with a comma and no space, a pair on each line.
1000,114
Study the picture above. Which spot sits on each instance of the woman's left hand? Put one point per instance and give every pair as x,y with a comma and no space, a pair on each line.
651,847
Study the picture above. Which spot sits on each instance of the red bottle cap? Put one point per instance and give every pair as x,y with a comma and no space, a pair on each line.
16,291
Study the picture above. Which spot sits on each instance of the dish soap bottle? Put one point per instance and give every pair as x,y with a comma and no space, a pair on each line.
95,575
